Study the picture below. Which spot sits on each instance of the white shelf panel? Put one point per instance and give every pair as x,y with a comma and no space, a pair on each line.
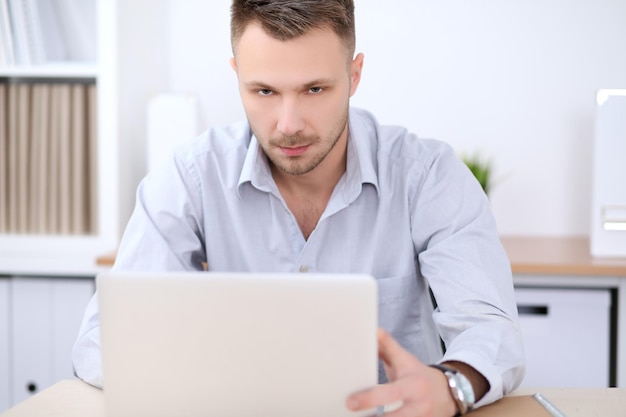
51,255
61,267
52,70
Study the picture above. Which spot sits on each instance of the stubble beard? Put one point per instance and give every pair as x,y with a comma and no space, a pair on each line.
300,165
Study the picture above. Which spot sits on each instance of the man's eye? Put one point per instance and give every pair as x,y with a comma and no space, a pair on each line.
265,92
315,90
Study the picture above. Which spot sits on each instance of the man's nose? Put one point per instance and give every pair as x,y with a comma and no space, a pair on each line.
290,119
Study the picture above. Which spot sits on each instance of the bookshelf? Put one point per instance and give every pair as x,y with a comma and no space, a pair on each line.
46,279
127,62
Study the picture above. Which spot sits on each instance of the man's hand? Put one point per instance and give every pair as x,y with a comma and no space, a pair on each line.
423,390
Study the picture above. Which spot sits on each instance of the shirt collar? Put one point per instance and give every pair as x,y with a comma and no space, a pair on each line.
361,164
256,169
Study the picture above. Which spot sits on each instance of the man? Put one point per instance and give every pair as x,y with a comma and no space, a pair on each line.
308,184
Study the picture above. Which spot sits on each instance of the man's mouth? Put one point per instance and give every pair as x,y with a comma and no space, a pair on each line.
294,151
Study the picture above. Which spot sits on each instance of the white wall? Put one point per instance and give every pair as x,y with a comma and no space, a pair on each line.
515,80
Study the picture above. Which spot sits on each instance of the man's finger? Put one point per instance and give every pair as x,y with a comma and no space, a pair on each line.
391,352
375,397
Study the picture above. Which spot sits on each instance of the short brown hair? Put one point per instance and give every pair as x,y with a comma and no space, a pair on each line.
289,19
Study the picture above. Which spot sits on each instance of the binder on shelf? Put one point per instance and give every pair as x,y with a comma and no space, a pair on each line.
6,33
65,197
18,25
77,20
33,161
23,145
42,161
53,162
53,45
2,57
12,156
92,156
78,159
44,158
4,159
33,30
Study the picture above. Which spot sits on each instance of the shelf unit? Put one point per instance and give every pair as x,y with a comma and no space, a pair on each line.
46,280
132,65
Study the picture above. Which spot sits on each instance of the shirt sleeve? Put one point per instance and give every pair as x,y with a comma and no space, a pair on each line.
468,271
164,233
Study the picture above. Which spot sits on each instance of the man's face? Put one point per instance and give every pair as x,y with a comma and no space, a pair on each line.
295,94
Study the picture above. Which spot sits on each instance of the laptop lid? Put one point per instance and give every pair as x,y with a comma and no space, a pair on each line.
236,344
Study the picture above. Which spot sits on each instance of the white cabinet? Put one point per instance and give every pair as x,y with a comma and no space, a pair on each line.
567,336
608,209
31,319
69,298
43,318
4,344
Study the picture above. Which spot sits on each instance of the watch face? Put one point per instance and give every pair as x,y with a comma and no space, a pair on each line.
460,388
466,388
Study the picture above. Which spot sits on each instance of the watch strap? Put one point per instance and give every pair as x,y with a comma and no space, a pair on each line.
455,390
443,368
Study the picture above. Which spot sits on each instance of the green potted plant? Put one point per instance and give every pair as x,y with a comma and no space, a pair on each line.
481,168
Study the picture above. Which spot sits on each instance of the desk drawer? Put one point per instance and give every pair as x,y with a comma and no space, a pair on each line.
567,336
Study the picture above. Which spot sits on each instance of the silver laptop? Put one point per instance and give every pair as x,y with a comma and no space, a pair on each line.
214,344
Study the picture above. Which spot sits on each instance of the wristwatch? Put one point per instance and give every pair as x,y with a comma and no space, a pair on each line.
460,388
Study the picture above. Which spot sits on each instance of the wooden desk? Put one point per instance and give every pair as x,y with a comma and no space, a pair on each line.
67,398
559,256
73,398
106,260
535,255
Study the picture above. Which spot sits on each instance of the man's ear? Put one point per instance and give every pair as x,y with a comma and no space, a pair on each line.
356,67
233,64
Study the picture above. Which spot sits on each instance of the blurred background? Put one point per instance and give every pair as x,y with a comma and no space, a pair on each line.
514,81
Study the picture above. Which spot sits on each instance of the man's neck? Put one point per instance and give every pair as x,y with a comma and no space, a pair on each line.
307,195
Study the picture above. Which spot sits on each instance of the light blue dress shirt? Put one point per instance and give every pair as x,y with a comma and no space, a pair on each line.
407,211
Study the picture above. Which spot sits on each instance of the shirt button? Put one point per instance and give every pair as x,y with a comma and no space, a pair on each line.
304,268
